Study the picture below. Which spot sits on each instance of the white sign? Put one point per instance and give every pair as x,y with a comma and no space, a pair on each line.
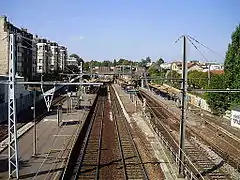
235,119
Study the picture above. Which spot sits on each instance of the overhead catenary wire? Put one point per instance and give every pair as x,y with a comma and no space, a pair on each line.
197,49
205,46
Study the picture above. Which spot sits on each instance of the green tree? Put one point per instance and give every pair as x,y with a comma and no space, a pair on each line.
218,102
232,62
160,61
72,69
79,59
143,63
175,75
148,59
74,55
86,66
197,79
114,62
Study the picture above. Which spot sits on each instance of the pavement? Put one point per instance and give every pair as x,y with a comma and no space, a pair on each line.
132,109
54,143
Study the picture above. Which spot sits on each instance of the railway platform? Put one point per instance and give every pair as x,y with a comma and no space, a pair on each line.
55,140
133,113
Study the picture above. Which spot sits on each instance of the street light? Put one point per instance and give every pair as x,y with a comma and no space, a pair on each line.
34,89
34,119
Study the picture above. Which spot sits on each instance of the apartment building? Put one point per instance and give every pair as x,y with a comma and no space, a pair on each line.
50,56
71,61
43,55
24,48
54,56
63,54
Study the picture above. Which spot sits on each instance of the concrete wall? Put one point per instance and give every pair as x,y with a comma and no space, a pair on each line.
4,44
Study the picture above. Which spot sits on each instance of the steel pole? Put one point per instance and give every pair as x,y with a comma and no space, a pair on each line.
183,110
13,168
35,128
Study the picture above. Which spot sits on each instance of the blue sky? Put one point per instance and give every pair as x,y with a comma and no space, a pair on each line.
132,29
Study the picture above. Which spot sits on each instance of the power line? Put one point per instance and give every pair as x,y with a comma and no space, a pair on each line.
205,46
178,39
197,49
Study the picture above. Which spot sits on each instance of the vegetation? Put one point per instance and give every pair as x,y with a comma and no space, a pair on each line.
198,80
220,102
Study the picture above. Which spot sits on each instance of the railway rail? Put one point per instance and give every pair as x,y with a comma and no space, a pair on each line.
132,163
222,140
167,126
91,160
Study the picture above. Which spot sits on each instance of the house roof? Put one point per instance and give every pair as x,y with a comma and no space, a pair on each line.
217,71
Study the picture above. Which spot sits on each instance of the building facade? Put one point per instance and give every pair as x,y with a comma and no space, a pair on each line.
63,54
50,56
24,48
43,55
54,57
72,61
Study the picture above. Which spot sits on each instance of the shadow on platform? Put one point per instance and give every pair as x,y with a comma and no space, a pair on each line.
24,176
69,123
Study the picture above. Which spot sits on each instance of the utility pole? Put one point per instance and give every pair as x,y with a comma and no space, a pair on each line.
209,74
12,128
183,110
91,70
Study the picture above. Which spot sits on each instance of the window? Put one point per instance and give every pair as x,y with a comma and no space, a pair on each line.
40,48
40,60
40,67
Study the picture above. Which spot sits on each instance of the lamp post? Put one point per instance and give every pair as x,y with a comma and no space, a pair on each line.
34,90
34,127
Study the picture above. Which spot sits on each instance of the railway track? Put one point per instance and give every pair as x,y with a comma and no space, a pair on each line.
132,164
167,126
89,160
222,140
101,159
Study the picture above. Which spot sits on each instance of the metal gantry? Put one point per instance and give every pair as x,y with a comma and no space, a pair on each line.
13,160
12,128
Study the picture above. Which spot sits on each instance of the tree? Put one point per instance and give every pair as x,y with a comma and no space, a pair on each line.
148,59
174,74
197,79
143,63
86,66
75,56
160,61
79,59
218,102
232,60
114,62
71,69
232,65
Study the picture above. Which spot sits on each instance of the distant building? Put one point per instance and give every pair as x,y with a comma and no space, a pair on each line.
212,67
176,66
54,56
63,54
71,61
194,66
43,55
24,49
166,66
